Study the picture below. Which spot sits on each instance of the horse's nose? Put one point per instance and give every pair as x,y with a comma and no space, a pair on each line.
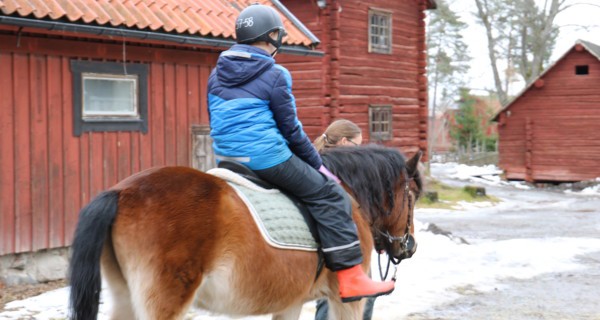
410,249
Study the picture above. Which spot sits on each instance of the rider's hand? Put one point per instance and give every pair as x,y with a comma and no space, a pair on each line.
328,174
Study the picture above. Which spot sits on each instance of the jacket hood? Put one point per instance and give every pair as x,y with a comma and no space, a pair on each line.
242,63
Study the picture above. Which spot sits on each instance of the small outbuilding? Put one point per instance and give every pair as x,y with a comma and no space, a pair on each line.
94,91
551,130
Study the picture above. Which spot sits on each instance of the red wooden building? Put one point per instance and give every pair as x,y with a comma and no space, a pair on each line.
373,72
551,131
75,119
68,131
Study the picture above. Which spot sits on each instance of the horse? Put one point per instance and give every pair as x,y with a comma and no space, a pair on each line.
169,237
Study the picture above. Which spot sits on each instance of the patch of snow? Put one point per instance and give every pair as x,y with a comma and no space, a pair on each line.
520,185
465,205
594,190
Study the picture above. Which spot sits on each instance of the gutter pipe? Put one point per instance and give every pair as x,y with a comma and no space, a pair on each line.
144,35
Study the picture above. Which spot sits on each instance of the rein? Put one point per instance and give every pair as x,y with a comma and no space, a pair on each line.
406,241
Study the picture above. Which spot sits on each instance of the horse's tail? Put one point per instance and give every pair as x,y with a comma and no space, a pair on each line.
95,221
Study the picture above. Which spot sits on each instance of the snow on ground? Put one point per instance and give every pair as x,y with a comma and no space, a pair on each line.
591,190
440,270
490,175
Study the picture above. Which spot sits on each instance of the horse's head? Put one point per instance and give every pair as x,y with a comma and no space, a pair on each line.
386,187
395,234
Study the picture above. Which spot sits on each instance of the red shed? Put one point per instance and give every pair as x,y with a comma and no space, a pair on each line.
76,119
551,131
68,132
373,72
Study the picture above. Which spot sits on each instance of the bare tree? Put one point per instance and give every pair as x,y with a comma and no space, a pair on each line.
490,15
520,33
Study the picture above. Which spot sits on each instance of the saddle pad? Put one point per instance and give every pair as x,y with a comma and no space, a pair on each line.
278,219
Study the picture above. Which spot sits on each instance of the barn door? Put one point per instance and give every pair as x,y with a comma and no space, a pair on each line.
203,157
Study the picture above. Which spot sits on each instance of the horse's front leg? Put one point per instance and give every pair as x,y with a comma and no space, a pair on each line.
292,313
346,311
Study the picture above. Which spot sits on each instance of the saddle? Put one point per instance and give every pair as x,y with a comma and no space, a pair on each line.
248,174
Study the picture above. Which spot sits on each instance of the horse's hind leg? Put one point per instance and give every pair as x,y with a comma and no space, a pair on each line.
292,313
160,293
117,286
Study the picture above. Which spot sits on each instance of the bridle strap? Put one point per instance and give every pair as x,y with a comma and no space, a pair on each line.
406,200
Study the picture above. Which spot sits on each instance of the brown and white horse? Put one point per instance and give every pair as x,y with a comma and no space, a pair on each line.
170,237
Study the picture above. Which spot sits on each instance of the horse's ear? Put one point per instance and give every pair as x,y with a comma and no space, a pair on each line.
412,165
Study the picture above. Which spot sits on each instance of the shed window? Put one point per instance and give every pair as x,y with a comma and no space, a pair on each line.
380,31
582,70
380,122
109,96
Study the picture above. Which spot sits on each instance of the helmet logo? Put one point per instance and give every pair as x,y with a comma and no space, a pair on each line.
244,23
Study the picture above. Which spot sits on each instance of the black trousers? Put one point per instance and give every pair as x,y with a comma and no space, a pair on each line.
329,205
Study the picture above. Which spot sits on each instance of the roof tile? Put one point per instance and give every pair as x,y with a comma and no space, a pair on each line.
9,6
115,18
40,8
195,17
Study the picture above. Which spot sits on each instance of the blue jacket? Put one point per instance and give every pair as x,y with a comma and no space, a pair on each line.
253,113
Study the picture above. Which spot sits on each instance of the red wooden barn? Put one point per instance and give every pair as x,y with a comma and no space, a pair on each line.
551,131
94,91
373,72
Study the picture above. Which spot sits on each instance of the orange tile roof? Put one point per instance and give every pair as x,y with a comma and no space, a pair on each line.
204,18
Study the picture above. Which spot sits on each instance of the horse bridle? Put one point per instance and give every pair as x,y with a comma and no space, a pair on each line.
407,241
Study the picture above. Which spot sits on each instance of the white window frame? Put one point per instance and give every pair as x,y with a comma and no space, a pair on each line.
380,48
88,115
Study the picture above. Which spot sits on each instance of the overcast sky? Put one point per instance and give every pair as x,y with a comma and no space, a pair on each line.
480,75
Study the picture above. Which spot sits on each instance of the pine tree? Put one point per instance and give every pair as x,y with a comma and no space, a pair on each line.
448,61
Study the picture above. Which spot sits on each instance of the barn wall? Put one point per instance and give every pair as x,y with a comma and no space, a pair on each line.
552,131
46,173
352,78
311,81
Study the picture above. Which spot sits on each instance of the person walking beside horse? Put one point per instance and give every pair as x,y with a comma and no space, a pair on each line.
340,133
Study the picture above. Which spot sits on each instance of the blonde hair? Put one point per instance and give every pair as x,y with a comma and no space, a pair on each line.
335,132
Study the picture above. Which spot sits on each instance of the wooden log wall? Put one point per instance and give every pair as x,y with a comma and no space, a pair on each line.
352,78
561,140
46,173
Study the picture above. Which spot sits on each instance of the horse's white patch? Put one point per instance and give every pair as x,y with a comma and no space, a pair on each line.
217,291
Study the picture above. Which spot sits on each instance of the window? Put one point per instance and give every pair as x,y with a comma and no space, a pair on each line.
380,122
109,96
582,70
380,31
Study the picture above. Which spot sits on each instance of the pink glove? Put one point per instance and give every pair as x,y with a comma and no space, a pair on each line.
328,174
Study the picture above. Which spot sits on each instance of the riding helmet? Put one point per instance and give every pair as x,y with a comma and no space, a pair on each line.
256,22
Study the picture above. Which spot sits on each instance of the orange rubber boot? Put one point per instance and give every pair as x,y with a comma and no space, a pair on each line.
355,285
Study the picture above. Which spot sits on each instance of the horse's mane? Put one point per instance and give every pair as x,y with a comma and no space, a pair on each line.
371,172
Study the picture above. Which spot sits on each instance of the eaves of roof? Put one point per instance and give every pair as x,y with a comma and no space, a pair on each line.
207,22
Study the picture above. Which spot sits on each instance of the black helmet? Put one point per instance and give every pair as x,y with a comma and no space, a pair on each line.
256,22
